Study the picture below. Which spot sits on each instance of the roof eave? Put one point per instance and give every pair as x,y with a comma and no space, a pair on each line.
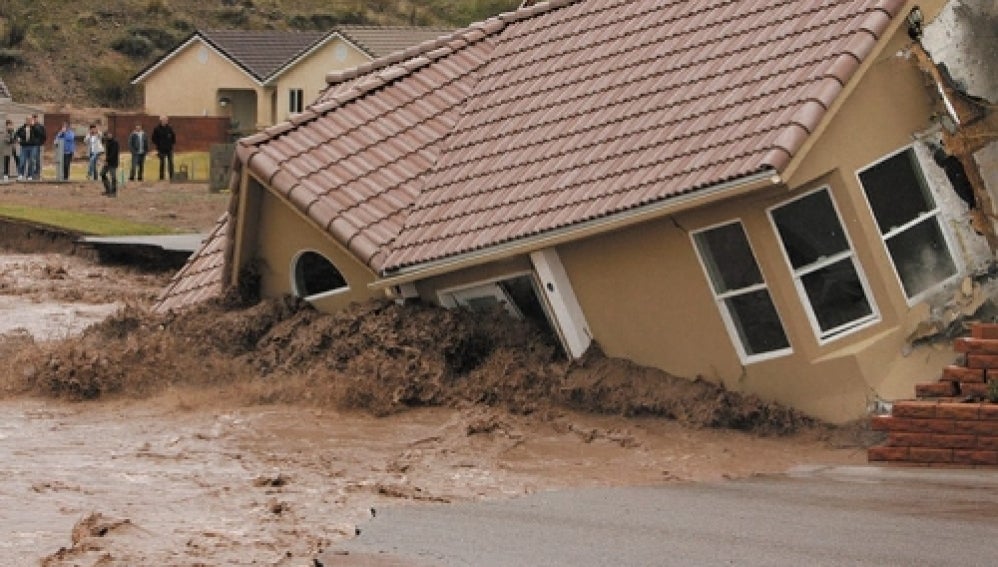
651,211
273,77
195,36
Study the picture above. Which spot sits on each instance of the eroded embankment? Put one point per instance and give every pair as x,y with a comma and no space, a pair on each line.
377,356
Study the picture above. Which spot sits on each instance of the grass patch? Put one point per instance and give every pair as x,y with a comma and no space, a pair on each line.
82,223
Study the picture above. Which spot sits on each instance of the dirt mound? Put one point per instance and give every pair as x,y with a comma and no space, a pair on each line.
378,356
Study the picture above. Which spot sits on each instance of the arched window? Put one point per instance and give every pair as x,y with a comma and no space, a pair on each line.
314,274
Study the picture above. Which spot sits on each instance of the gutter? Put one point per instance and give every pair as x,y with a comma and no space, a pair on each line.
658,209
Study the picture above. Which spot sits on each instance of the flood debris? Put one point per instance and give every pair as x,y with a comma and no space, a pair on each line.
379,357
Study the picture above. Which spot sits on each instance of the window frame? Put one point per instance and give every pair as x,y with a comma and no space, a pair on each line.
797,274
296,100
935,213
722,306
322,294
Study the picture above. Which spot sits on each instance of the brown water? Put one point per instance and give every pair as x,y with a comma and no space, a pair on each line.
162,482
199,476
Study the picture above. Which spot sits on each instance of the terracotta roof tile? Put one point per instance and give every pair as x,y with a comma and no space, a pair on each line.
202,276
560,113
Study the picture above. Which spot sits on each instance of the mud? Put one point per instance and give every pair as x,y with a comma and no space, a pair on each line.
264,434
378,356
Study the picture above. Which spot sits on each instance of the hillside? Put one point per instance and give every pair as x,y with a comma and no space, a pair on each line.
83,53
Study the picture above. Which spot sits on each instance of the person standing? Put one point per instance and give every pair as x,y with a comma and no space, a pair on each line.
8,149
36,157
30,137
68,138
138,145
95,147
164,139
109,172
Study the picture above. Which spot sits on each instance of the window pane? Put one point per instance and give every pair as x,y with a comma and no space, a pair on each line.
757,322
726,253
896,191
836,295
921,257
315,274
809,228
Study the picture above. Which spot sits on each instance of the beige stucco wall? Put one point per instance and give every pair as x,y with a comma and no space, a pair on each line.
309,74
187,84
191,81
280,233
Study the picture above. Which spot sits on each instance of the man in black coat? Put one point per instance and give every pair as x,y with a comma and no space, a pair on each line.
164,139
109,172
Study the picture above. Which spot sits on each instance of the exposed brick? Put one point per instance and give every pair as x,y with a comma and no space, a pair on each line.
885,453
975,389
963,374
901,439
984,331
911,424
956,410
989,411
930,455
942,389
989,442
914,409
971,457
982,361
977,346
884,423
974,427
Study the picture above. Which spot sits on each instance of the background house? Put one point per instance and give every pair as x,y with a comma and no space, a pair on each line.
753,200
259,78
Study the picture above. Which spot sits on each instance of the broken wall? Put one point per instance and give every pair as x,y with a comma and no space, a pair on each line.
964,37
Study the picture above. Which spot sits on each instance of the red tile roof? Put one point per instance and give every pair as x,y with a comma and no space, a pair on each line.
559,114
202,277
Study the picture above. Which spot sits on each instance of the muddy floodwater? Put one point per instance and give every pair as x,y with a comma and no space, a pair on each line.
173,482
197,475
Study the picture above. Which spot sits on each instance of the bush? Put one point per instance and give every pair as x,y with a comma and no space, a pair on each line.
13,33
160,38
134,46
111,86
11,58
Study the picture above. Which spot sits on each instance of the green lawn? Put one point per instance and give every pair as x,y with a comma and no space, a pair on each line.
196,164
83,223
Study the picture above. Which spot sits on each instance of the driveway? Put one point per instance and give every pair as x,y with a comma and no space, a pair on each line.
817,516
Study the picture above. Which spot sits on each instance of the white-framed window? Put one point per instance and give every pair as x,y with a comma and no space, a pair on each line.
908,219
314,276
827,275
741,292
296,100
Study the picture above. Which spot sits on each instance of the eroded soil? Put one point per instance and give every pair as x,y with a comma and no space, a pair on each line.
262,434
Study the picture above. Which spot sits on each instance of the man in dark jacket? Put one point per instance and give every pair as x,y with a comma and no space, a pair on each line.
31,137
164,139
109,172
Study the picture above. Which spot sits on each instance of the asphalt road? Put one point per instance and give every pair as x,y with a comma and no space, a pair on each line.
824,516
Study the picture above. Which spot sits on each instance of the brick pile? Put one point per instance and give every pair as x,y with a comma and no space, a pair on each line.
951,423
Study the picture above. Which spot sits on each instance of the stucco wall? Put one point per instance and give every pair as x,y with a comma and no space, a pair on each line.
310,73
187,84
281,234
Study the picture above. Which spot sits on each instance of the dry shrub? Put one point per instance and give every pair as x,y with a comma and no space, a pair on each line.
376,356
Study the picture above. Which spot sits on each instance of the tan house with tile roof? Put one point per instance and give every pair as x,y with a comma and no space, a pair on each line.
260,78
743,191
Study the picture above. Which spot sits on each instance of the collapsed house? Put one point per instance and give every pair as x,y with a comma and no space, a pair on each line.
748,191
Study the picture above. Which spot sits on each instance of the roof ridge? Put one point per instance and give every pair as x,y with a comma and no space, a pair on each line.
488,27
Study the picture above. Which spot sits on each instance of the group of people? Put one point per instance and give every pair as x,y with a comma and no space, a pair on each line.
21,150
30,137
